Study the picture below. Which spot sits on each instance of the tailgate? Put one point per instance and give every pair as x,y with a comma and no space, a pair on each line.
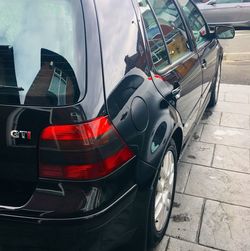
19,133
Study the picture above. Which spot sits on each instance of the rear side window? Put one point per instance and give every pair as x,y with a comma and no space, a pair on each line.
172,27
157,46
42,59
195,21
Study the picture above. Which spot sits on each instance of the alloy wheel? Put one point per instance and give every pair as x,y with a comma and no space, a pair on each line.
164,191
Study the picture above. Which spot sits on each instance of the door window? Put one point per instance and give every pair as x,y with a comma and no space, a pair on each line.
195,21
158,49
172,28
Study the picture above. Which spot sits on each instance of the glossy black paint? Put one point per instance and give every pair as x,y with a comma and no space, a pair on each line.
100,215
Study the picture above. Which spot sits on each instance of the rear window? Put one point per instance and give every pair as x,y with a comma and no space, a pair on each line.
42,59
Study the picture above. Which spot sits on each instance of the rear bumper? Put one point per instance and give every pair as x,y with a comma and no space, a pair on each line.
96,215
106,230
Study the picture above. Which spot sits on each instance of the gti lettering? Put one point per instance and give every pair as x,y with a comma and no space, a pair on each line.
20,134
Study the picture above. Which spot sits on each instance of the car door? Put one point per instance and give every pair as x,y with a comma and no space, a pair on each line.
225,12
244,16
206,47
182,69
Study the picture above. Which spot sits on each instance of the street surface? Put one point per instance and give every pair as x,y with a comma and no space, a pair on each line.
236,65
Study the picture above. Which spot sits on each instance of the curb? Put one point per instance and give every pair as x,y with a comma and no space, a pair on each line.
244,56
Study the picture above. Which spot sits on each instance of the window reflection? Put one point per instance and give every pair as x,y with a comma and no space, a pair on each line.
55,83
156,43
23,34
9,91
172,27
58,86
195,20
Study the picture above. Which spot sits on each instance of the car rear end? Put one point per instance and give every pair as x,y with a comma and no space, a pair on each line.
67,177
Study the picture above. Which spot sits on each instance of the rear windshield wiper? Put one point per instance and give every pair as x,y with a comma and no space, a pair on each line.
11,87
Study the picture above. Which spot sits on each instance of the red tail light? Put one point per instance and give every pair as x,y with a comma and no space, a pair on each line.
86,151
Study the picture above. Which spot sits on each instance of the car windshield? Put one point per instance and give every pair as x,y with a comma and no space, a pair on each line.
41,52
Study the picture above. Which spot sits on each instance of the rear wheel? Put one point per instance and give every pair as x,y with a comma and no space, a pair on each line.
163,196
215,88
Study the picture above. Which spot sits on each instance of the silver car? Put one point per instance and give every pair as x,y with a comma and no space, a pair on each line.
226,12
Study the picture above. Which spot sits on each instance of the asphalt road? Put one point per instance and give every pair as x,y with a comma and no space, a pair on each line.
236,64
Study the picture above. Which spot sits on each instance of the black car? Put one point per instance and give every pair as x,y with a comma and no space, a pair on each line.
98,99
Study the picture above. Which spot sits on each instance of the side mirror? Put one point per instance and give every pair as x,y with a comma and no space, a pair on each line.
224,32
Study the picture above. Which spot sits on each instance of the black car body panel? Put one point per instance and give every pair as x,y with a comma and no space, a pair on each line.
123,86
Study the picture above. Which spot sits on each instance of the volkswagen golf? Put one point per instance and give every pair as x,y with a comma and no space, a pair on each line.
98,100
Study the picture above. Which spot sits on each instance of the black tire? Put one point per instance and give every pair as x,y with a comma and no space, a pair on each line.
215,88
154,235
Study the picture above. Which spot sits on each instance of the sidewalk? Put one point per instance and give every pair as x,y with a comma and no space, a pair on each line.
212,204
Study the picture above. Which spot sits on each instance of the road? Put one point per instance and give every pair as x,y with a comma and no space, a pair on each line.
236,64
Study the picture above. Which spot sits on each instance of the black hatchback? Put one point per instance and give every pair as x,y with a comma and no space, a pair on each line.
98,99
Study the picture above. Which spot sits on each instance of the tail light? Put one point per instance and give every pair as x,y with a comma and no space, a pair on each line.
84,151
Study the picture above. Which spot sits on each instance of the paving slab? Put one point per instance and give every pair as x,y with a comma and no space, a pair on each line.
235,120
226,136
244,89
236,97
232,158
220,185
221,96
182,176
210,117
225,227
180,245
197,133
162,246
232,107
185,218
199,153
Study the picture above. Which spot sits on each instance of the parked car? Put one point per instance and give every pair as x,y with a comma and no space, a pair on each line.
98,100
226,12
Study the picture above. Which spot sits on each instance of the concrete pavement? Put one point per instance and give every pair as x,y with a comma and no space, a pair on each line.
212,204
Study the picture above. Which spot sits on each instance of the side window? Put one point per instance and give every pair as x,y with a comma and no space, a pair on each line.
154,36
172,27
195,21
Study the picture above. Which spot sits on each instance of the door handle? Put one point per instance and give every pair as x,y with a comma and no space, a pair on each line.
176,92
204,64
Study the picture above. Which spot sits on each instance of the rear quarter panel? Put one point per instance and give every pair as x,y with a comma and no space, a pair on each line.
135,106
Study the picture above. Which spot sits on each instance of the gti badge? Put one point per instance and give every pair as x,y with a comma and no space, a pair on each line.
20,134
